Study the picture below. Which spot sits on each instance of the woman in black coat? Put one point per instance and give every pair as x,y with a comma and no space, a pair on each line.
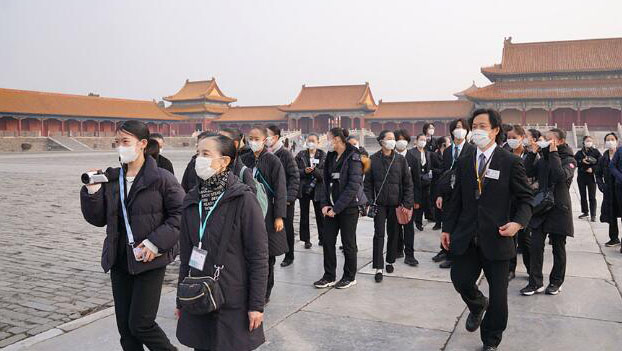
424,158
387,186
233,211
268,170
137,255
311,167
554,170
587,159
612,193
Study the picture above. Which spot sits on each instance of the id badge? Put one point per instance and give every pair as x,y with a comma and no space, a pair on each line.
316,161
197,258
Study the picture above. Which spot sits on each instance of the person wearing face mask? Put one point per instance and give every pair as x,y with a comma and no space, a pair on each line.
341,195
555,171
268,170
436,164
387,186
140,207
406,232
479,225
458,129
354,141
243,173
162,161
221,215
292,181
423,157
431,143
587,159
311,167
610,209
189,179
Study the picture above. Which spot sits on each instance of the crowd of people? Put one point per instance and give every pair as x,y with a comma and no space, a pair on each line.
492,189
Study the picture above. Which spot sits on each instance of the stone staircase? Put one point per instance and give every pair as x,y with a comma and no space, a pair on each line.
70,143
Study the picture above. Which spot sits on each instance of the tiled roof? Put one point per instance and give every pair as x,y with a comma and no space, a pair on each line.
200,90
463,93
252,113
422,109
42,103
549,89
333,98
591,55
198,108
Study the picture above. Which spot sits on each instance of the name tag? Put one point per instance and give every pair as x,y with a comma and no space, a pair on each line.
197,258
315,162
492,174
335,175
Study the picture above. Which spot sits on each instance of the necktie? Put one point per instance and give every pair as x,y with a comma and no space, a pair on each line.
481,166
456,153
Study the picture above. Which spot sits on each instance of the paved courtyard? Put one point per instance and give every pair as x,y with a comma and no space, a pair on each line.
50,275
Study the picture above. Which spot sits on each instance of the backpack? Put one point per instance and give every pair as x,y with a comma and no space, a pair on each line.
262,194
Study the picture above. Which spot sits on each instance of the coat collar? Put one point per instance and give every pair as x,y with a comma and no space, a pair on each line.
234,188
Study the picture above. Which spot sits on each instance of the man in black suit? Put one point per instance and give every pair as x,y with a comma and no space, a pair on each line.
476,230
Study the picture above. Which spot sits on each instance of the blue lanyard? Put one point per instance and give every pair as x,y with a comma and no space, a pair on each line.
128,229
204,224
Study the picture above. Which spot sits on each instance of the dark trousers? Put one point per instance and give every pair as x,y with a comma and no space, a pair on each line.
589,184
289,230
271,262
406,238
522,240
344,222
136,302
305,234
385,219
613,228
424,208
465,271
558,273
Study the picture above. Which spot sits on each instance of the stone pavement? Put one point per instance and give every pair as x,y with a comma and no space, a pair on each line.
413,309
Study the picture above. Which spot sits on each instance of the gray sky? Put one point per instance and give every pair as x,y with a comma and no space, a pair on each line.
261,52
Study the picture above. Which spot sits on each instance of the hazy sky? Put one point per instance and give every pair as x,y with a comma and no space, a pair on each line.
261,52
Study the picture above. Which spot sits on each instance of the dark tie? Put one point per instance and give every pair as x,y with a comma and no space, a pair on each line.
482,166
456,153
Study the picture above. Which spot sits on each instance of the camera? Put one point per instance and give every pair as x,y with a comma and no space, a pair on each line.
94,177
372,211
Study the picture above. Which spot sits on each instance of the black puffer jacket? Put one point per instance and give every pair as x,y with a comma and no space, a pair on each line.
612,192
154,209
351,192
271,173
292,178
303,160
398,186
591,156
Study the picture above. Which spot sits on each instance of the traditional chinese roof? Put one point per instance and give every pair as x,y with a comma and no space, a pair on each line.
43,103
252,113
593,55
422,110
549,89
197,108
333,98
200,90
462,94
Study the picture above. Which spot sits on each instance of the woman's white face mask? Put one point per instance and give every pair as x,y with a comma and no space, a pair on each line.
255,145
514,143
203,167
611,144
401,145
421,143
389,144
127,154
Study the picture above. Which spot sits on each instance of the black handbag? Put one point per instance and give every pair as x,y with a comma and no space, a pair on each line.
203,295
543,201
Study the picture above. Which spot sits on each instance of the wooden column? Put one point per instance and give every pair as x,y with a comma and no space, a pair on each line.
19,127
81,128
524,117
62,127
99,128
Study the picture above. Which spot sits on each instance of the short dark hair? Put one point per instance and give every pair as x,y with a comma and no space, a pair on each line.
587,136
276,130
426,127
136,128
352,137
157,136
340,133
383,134
313,135
454,124
153,148
226,147
612,134
420,135
446,141
235,133
494,117
261,128
204,135
517,129
535,133
403,133
560,133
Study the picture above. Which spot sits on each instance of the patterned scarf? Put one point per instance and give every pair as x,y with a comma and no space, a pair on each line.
212,188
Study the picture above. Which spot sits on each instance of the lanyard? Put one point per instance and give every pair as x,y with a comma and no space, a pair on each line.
204,224
128,229
479,180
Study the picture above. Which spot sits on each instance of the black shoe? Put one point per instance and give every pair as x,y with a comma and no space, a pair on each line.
319,243
445,264
345,283
437,226
593,219
324,283
411,261
419,227
583,215
341,247
378,277
531,290
511,276
440,256
489,348
400,254
390,268
475,319
308,245
287,262
612,242
553,289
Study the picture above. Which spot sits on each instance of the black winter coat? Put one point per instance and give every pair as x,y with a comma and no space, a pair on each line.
398,186
415,175
271,173
424,171
554,168
189,179
292,176
303,161
247,177
154,209
612,192
351,192
165,163
243,278
583,154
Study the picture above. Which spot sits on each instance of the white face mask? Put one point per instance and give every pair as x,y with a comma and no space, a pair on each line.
421,143
543,144
431,131
459,133
127,154
401,145
480,138
525,142
514,143
255,145
311,145
389,144
203,167
611,144
588,144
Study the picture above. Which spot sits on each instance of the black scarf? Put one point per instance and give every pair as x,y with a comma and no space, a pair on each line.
212,188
